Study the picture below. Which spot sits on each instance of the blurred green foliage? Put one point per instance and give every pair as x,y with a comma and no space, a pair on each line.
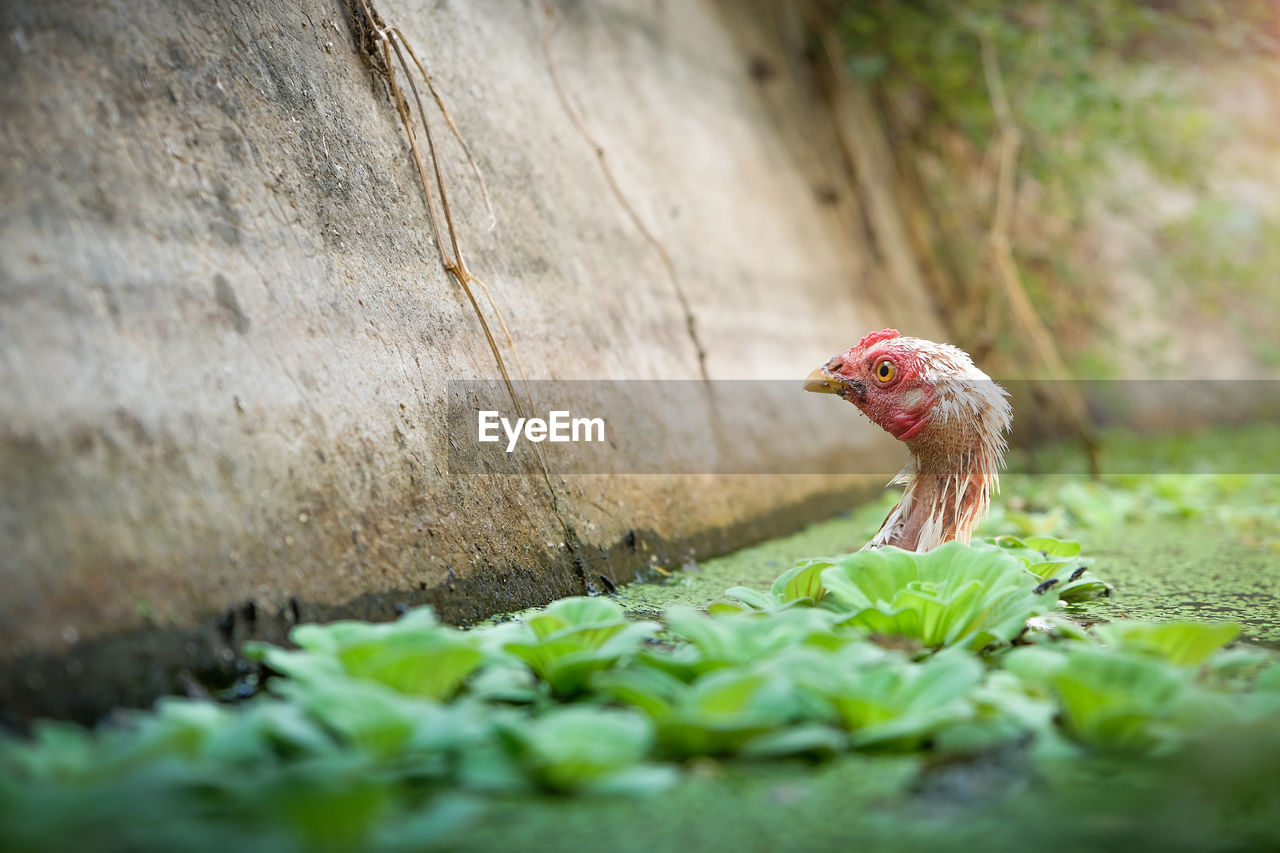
1230,252
1078,75
1110,103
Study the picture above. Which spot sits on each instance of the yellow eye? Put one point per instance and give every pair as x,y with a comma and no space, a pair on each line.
885,370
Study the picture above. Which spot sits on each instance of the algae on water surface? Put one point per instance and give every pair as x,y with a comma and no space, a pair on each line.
1190,569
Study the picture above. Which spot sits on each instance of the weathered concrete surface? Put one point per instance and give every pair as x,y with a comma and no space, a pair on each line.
225,331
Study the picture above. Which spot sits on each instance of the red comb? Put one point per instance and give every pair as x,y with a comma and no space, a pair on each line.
877,337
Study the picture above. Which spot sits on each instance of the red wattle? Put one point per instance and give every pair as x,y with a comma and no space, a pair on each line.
912,425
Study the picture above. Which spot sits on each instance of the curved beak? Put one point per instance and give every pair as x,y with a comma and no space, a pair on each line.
823,381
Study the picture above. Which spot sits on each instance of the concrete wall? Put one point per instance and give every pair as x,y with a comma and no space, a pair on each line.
225,330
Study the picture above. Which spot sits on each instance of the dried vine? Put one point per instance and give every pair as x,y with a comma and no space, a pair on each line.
377,42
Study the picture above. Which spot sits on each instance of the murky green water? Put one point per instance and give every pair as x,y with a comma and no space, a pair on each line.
1188,569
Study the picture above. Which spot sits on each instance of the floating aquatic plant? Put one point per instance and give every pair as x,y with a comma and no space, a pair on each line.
1182,642
1056,565
718,713
887,701
580,747
575,637
799,585
955,595
415,654
731,638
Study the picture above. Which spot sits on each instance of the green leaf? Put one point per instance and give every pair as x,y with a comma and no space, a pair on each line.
730,639
1134,700
266,729
651,690
954,595
415,654
895,703
374,717
573,747
1056,565
798,586
333,805
814,740
301,665
723,710
1034,664
576,612
574,638
1115,702
1182,643
802,583
1051,547
1007,709
751,599
432,668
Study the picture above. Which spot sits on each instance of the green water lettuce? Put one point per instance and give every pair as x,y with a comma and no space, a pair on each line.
382,721
955,595
1184,643
799,585
415,654
388,736
575,637
1056,565
1117,703
1006,710
803,699
803,582
1149,691
734,638
886,700
588,748
718,713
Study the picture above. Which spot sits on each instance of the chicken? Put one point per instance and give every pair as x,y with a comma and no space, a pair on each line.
952,417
